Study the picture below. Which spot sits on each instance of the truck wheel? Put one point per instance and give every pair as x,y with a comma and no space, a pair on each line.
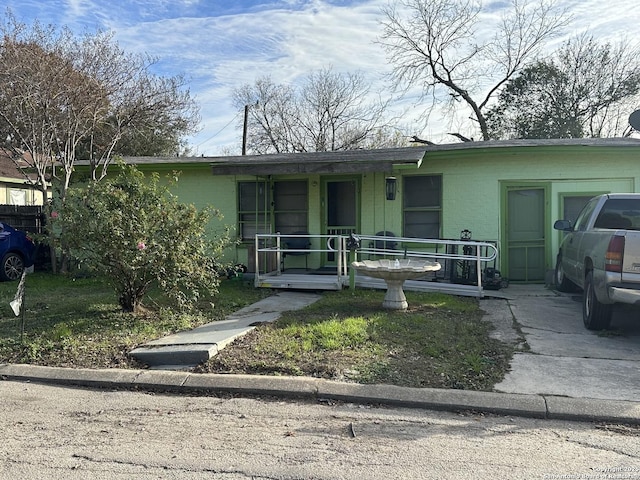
595,314
563,284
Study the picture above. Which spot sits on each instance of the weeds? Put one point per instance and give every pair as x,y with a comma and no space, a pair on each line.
440,341
76,322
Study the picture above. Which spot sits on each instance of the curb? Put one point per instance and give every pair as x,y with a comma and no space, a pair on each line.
523,405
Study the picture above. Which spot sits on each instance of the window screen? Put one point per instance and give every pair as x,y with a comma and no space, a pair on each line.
422,206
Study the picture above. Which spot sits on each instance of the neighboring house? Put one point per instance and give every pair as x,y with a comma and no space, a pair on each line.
507,192
20,202
15,188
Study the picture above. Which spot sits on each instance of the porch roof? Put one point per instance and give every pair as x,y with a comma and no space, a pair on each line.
348,161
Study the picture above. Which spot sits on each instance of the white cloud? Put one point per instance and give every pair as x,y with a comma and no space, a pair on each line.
220,45
218,54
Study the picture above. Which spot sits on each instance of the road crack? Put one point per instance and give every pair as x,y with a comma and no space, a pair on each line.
162,466
604,448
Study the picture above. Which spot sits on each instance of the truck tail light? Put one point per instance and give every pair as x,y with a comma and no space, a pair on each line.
613,257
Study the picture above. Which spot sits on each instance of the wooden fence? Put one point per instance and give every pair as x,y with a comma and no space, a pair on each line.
28,218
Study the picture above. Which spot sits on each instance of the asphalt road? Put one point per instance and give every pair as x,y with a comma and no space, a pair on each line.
66,433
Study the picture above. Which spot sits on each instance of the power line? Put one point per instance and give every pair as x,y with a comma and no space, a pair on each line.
219,131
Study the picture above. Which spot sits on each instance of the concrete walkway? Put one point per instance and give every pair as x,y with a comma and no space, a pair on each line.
561,356
562,371
190,348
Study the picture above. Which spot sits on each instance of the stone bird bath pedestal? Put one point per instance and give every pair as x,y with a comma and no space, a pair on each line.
394,273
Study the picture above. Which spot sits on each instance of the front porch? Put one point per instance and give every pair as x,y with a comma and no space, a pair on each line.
467,267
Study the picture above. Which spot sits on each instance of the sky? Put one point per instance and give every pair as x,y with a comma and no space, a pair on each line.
218,45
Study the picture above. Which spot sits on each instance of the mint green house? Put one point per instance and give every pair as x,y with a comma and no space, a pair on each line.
505,192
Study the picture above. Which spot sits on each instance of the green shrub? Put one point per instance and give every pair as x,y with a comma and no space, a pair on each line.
132,230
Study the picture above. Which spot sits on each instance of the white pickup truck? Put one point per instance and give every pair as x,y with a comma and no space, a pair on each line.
601,255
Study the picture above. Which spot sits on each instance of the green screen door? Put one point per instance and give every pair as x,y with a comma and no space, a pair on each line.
340,210
526,234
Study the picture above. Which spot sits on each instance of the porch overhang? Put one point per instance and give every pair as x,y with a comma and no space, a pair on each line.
348,161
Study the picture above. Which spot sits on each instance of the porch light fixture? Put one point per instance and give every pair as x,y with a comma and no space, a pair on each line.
391,188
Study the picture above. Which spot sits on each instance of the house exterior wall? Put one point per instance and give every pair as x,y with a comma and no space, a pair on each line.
378,213
15,192
198,186
474,186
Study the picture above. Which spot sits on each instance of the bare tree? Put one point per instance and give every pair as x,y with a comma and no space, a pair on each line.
45,108
449,48
330,111
271,123
146,114
64,97
34,93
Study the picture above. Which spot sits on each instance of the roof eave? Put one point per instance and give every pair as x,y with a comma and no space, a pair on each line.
304,168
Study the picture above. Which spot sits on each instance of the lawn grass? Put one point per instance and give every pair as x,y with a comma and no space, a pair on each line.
76,321
441,341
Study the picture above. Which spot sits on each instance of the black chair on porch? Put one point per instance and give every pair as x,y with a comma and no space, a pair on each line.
296,246
386,244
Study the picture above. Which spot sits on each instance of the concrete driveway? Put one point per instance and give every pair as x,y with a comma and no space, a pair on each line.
559,355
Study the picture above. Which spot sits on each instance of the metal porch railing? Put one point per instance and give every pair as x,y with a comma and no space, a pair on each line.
449,253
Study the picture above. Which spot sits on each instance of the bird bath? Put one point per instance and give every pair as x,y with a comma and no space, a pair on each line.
394,273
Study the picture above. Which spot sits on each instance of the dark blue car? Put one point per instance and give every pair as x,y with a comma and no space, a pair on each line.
16,251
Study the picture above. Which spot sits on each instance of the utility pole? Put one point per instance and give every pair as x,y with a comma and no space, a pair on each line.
244,130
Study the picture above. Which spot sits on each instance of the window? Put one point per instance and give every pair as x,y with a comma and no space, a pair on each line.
254,201
573,204
585,214
290,206
17,196
264,207
422,206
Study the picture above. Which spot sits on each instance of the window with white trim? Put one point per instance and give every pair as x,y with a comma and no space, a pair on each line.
422,206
